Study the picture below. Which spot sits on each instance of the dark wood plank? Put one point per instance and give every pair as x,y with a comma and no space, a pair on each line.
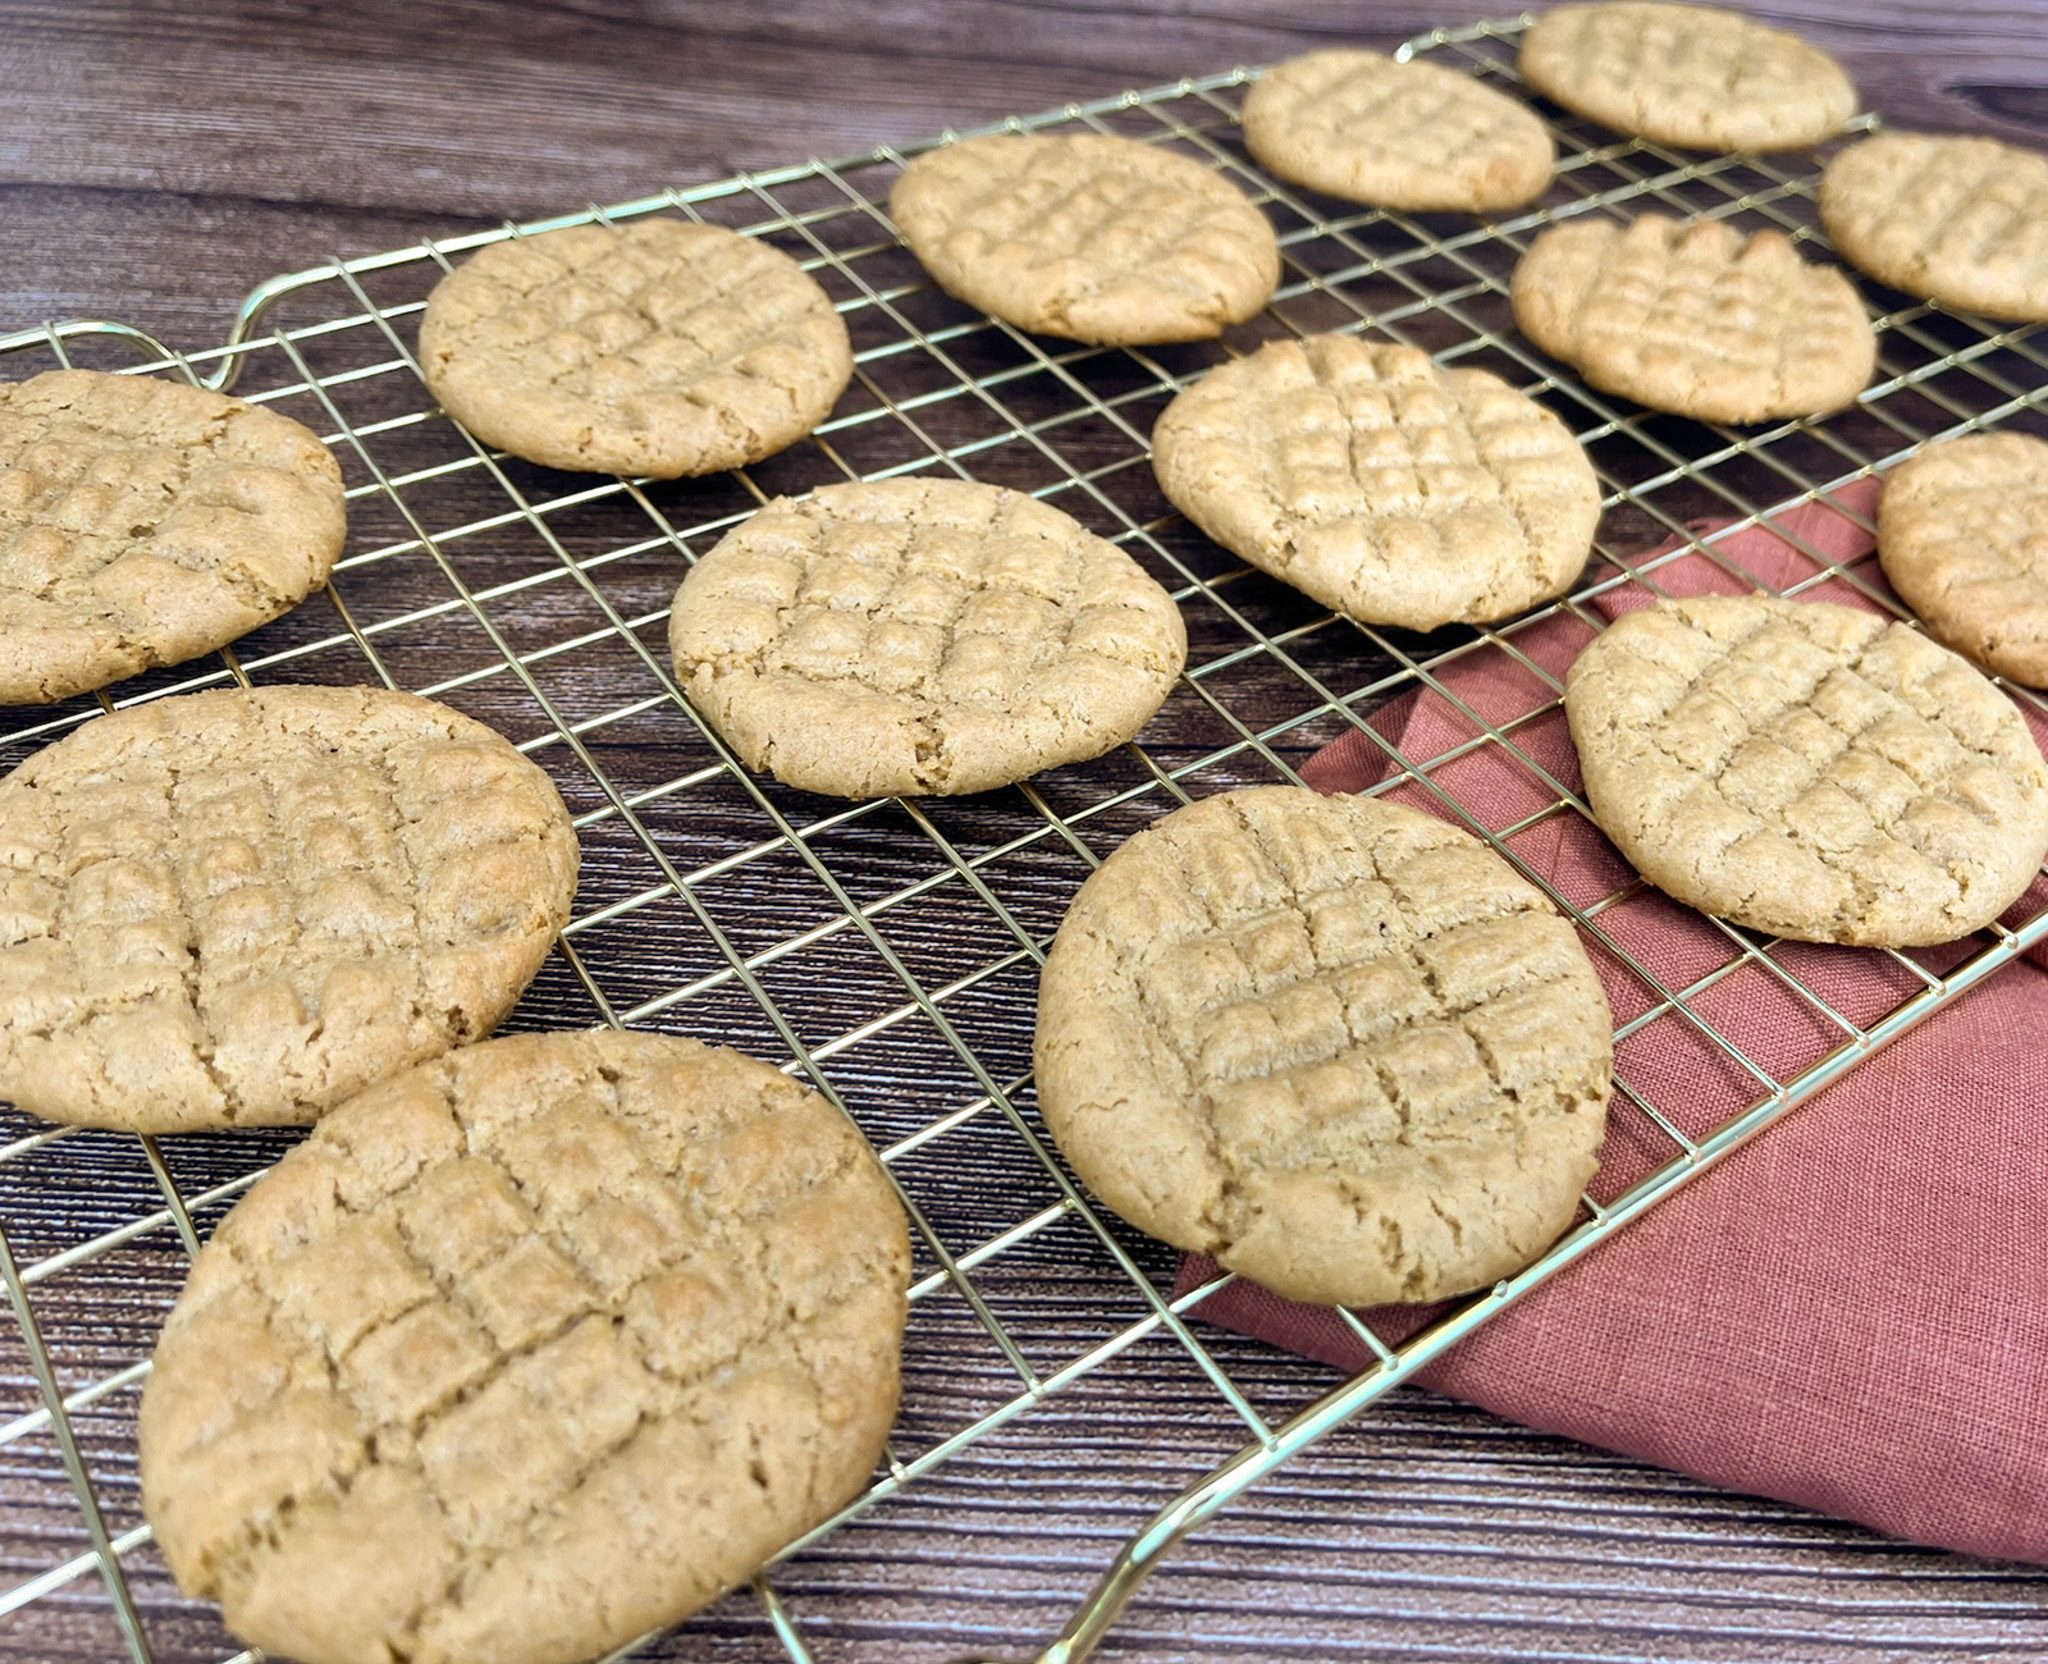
157,159
174,155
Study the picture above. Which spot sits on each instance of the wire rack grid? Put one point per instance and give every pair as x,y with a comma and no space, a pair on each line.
887,951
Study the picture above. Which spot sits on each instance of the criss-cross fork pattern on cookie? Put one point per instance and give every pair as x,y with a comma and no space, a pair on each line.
658,346
1808,769
537,1346
1336,1043
1696,318
1087,236
143,523
239,907
1413,136
1963,533
1385,487
915,636
1697,76
1960,219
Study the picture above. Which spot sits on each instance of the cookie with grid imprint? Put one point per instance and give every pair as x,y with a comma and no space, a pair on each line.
1696,318
1391,489
1396,133
1955,218
1696,76
1335,1043
1087,236
921,637
655,346
1808,769
144,522
238,908
526,1351
1962,531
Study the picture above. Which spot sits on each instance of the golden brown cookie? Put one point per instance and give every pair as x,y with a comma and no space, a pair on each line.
1962,530
1808,769
144,522
1957,218
1086,236
920,637
241,907
525,1352
1693,317
1696,76
656,347
1385,487
1396,134
1335,1043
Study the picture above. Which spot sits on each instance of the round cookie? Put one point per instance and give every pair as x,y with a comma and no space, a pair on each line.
658,347
1962,220
144,522
1695,76
1407,135
525,1352
921,637
1693,317
1962,531
238,908
1335,1043
1808,770
1387,488
1087,237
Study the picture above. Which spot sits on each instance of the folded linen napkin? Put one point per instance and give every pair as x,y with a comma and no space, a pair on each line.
1851,1312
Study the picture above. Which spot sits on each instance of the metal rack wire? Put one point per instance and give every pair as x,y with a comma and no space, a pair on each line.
887,951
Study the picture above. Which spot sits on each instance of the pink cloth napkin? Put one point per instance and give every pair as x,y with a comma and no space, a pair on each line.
1850,1313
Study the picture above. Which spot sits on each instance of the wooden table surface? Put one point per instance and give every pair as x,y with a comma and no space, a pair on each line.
159,159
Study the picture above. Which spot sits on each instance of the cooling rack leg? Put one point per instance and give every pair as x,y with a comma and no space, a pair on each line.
1141,1555
1106,1601
125,1615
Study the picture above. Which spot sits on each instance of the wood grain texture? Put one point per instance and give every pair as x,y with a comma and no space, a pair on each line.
173,155
157,159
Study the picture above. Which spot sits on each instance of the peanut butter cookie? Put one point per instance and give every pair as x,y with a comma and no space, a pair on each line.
1694,317
921,637
1335,1043
144,522
1086,236
1955,218
1962,530
657,346
1808,769
1695,76
1408,135
1385,487
239,908
524,1352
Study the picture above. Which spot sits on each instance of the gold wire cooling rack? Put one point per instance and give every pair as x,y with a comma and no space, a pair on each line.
887,951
